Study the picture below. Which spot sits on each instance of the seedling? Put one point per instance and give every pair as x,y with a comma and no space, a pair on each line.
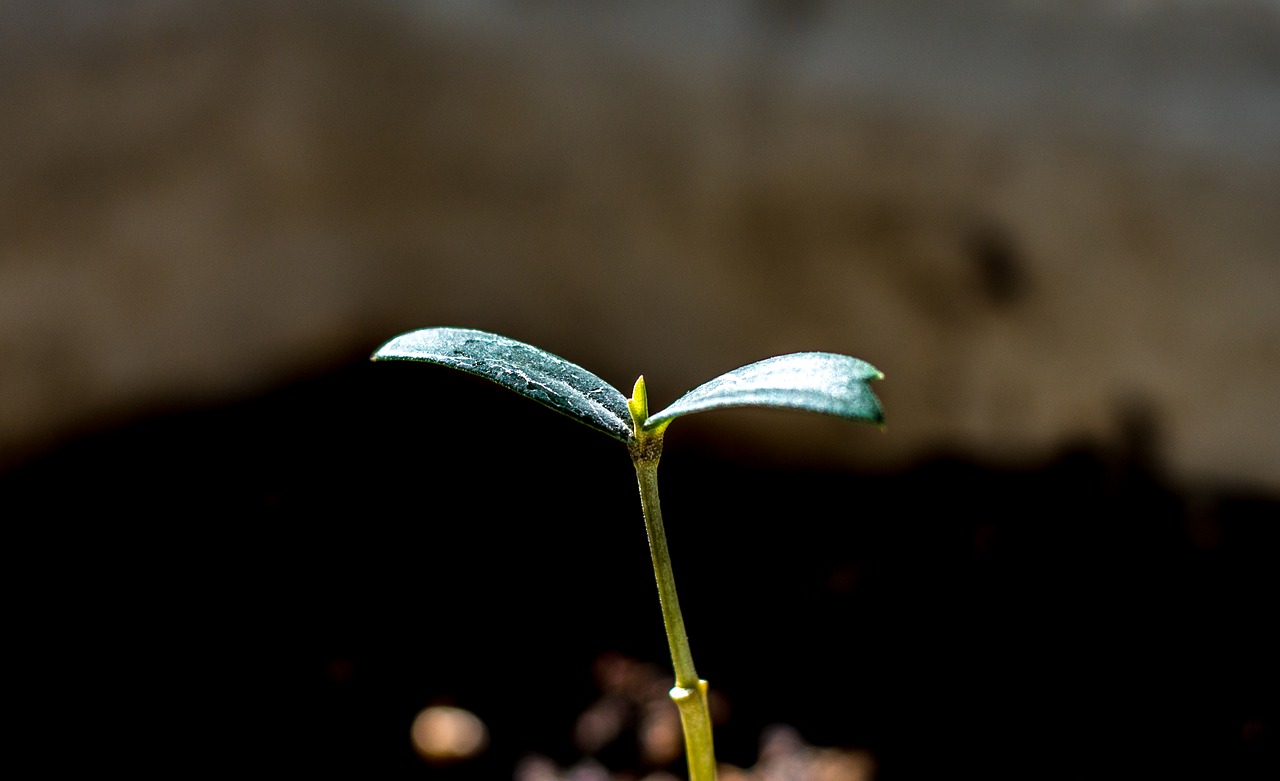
818,382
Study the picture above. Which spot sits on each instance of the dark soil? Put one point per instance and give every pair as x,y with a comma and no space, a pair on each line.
282,584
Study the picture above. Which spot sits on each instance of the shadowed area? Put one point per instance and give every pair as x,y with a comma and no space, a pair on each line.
288,582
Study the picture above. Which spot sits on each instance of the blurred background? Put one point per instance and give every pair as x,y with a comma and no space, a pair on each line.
234,543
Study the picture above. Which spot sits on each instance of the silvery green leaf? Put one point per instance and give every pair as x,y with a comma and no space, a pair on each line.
818,382
536,374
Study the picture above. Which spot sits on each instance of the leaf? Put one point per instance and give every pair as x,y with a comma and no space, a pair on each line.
536,374
818,382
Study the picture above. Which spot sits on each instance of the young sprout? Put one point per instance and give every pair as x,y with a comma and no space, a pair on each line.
818,382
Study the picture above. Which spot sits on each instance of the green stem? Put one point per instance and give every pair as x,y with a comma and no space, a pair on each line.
677,639
690,692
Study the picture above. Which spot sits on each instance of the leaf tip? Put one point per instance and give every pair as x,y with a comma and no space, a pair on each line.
387,350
